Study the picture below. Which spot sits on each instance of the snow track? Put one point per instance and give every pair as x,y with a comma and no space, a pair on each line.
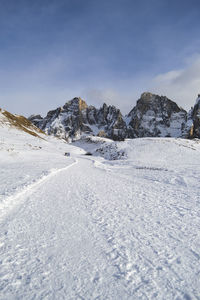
89,232
11,201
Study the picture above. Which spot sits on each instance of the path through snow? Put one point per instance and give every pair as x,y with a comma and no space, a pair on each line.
91,232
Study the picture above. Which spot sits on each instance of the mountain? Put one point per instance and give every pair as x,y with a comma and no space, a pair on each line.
153,116
156,116
76,118
192,128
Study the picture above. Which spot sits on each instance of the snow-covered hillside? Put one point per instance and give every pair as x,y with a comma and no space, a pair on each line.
27,157
85,227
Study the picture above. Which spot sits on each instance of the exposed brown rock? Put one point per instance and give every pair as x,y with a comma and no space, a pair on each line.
21,123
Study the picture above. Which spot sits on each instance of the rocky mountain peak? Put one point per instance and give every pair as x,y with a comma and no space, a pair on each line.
33,117
147,96
149,101
76,103
192,128
76,118
198,100
154,116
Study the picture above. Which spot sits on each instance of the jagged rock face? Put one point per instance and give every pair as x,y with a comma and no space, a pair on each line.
36,119
111,118
155,116
67,121
192,128
76,118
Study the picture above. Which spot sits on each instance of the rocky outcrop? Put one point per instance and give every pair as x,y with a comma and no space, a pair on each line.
76,118
36,119
112,120
192,128
155,116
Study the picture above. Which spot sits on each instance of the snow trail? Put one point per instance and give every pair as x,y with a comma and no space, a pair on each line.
89,232
11,201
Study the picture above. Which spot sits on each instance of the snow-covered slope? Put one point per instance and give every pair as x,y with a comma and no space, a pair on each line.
99,229
27,154
8,120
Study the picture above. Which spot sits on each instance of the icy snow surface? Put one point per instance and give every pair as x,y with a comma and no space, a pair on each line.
83,227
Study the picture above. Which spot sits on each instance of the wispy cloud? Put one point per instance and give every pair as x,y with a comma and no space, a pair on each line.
180,85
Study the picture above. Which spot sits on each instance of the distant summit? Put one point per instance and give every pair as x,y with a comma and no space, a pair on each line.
76,118
192,128
156,116
146,96
153,116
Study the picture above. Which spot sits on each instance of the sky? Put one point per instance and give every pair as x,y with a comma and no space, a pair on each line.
102,51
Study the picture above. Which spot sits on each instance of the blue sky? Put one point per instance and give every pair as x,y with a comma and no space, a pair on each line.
103,51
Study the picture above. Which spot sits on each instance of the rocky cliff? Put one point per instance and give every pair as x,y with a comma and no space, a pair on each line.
156,116
192,128
153,116
76,118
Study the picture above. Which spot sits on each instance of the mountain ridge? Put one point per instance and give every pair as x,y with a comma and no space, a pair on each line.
19,122
152,116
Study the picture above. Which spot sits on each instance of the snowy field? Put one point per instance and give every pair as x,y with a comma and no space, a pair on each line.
87,227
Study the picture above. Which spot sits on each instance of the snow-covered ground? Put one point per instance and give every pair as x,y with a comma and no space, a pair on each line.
84,227
24,160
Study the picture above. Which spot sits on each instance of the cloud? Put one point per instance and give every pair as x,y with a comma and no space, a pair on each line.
181,85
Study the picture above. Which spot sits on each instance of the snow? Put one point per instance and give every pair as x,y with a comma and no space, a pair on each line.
95,129
25,159
174,129
86,227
